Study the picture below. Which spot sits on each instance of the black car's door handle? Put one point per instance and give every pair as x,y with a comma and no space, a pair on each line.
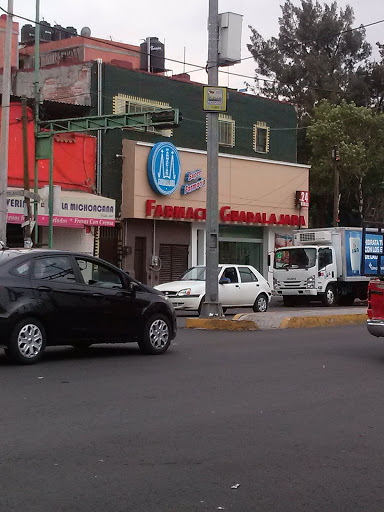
98,295
44,289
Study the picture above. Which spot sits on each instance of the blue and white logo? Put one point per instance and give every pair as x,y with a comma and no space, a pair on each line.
164,169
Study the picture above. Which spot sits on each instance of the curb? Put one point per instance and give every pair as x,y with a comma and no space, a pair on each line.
299,322
288,322
220,324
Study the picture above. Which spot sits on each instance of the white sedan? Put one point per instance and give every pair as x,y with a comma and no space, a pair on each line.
239,286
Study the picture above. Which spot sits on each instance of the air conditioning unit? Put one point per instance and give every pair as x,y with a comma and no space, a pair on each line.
313,237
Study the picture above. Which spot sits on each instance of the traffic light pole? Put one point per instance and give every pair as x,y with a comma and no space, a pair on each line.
211,306
336,186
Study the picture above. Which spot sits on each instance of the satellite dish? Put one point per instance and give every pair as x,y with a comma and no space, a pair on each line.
85,32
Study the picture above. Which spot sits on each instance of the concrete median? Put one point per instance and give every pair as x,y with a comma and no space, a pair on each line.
316,317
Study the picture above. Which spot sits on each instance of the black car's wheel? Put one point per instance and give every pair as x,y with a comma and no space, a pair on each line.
27,341
329,297
156,336
261,303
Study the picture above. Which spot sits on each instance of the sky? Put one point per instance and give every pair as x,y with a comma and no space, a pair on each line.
182,26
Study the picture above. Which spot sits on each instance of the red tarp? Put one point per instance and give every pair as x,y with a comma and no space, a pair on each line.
74,157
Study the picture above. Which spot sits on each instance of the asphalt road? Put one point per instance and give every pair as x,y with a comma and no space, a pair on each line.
295,417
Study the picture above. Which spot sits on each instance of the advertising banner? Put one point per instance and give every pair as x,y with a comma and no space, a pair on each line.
373,253
353,243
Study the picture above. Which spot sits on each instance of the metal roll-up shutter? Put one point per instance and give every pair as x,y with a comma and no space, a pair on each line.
166,263
174,262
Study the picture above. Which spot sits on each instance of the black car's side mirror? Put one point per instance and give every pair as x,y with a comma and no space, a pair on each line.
132,287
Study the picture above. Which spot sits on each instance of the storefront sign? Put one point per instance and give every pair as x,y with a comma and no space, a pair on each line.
164,168
192,176
226,215
302,198
187,189
194,180
76,209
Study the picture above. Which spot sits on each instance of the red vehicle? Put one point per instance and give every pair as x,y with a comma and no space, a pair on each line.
375,322
372,265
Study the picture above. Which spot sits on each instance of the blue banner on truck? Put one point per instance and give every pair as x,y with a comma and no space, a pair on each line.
373,252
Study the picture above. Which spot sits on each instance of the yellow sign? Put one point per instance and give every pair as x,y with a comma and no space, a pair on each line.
215,99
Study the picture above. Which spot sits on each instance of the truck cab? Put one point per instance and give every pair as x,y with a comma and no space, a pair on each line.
323,264
305,271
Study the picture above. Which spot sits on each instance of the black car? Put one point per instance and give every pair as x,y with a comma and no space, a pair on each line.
50,297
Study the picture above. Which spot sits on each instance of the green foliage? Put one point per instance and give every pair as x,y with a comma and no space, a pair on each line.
358,132
313,56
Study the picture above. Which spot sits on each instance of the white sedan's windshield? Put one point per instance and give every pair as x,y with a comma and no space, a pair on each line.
195,274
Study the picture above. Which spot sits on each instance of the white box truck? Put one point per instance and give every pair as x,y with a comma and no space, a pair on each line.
323,264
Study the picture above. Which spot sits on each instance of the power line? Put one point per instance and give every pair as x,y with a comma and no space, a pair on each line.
329,36
200,67
121,46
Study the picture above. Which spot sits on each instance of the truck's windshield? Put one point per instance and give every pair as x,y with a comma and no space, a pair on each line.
295,257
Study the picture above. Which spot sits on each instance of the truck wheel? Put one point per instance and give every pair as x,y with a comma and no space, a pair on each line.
329,298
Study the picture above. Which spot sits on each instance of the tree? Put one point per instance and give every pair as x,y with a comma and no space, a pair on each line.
316,55
359,133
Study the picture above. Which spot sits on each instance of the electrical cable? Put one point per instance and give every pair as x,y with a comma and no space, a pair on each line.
122,46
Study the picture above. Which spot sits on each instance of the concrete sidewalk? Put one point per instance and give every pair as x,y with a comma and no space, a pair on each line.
284,319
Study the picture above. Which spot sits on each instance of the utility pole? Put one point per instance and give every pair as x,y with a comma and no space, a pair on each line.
336,186
5,108
28,216
36,87
212,306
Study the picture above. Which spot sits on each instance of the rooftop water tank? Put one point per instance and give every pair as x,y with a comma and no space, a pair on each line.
71,32
27,33
58,33
45,31
156,50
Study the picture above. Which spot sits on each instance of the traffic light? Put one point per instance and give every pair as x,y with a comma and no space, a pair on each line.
169,118
335,154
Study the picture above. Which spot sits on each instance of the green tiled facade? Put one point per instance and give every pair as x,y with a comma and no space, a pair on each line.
246,110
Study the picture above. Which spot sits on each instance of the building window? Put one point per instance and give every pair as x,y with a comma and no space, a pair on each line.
261,138
226,131
124,104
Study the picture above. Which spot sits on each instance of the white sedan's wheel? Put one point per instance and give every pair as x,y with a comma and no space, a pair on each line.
261,303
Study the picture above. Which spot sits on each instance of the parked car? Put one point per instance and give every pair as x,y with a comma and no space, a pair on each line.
375,322
52,297
239,286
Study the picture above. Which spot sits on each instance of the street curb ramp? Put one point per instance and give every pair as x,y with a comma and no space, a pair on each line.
299,322
221,324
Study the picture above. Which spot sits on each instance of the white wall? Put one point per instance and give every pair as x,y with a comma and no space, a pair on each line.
70,239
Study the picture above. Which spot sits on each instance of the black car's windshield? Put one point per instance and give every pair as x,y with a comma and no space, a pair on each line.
298,257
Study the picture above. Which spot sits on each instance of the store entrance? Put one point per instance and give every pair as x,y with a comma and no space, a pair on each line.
242,245
242,253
